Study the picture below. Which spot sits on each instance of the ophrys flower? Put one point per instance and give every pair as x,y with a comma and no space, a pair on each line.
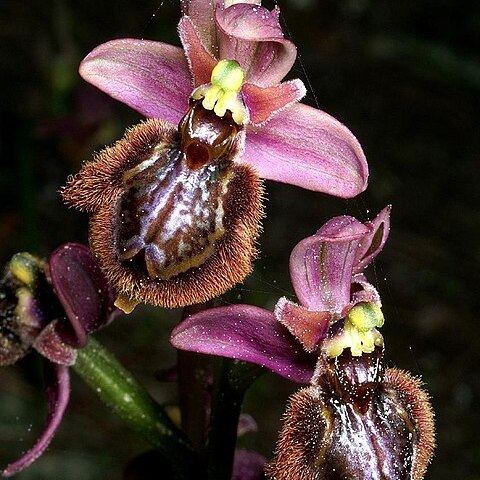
175,214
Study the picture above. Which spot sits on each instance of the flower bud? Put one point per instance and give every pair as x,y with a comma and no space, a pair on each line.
21,316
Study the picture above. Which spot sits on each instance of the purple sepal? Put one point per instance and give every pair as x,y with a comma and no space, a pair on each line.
248,465
49,343
58,393
151,77
373,243
248,333
321,266
307,147
252,35
83,291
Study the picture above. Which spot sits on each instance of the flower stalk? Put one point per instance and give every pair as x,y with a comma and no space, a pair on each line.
124,396
232,381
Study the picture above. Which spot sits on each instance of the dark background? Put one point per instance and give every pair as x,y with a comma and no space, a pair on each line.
403,76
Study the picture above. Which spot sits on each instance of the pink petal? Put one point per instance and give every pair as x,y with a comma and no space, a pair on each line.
251,35
202,12
373,244
321,266
151,77
200,60
50,345
245,333
363,292
309,148
58,393
80,285
308,326
264,102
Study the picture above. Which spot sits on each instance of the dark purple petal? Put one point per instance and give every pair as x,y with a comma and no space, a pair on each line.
373,244
251,35
264,102
50,344
321,266
58,392
200,60
309,148
248,465
82,288
245,333
151,77
309,327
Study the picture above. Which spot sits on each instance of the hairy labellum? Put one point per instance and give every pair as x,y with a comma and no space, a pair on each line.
357,423
174,219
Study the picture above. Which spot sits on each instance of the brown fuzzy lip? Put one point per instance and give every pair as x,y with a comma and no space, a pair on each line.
417,402
310,433
97,189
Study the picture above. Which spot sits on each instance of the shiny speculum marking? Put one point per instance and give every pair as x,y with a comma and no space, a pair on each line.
170,213
171,209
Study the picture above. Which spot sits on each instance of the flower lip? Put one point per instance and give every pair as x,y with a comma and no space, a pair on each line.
331,430
169,229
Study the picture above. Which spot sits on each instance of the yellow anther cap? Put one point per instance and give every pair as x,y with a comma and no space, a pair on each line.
222,93
228,75
25,268
359,332
365,316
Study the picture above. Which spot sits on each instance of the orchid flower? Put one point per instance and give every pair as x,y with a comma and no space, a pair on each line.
326,270
51,308
357,420
175,214
158,79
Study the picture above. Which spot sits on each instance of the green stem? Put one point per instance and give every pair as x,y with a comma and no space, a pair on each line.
194,378
195,373
231,384
124,395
